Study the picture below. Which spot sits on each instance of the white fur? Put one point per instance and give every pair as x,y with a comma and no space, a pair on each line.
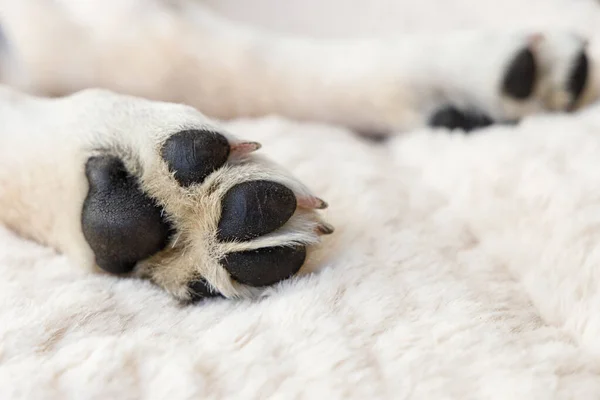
179,50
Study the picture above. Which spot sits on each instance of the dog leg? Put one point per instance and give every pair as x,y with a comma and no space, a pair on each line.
180,51
152,189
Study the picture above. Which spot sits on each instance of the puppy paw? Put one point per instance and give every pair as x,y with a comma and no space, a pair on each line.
518,75
196,212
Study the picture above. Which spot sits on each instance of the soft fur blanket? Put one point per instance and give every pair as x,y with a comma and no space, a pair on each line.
462,267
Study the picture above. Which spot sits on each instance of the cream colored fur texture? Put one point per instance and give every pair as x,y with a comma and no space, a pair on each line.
462,267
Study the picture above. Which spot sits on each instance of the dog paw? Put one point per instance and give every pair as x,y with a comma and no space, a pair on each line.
515,76
198,213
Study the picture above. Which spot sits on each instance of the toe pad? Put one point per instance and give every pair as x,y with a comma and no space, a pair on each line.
193,155
265,266
255,208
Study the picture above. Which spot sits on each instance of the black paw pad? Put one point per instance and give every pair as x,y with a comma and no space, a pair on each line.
266,266
520,77
452,118
121,223
195,154
253,209
199,289
578,76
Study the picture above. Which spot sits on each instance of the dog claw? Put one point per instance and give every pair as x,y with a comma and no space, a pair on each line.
535,39
242,148
312,202
325,229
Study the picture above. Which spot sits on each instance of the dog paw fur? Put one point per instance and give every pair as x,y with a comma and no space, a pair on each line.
154,190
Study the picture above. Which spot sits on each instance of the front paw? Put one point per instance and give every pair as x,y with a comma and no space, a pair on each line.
205,218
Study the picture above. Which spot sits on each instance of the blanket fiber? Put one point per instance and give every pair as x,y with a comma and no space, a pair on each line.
463,267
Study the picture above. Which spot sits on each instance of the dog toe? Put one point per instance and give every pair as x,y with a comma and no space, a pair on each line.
253,209
519,80
578,76
192,155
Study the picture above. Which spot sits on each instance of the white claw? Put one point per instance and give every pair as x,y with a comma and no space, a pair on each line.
312,202
242,148
535,39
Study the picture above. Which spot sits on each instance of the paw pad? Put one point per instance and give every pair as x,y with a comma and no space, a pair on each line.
521,75
255,208
193,155
266,266
121,223
200,289
452,118
579,76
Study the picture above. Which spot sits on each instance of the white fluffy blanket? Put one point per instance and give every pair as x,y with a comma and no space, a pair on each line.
463,267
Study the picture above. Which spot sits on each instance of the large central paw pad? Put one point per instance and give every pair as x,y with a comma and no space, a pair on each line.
220,221
120,222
